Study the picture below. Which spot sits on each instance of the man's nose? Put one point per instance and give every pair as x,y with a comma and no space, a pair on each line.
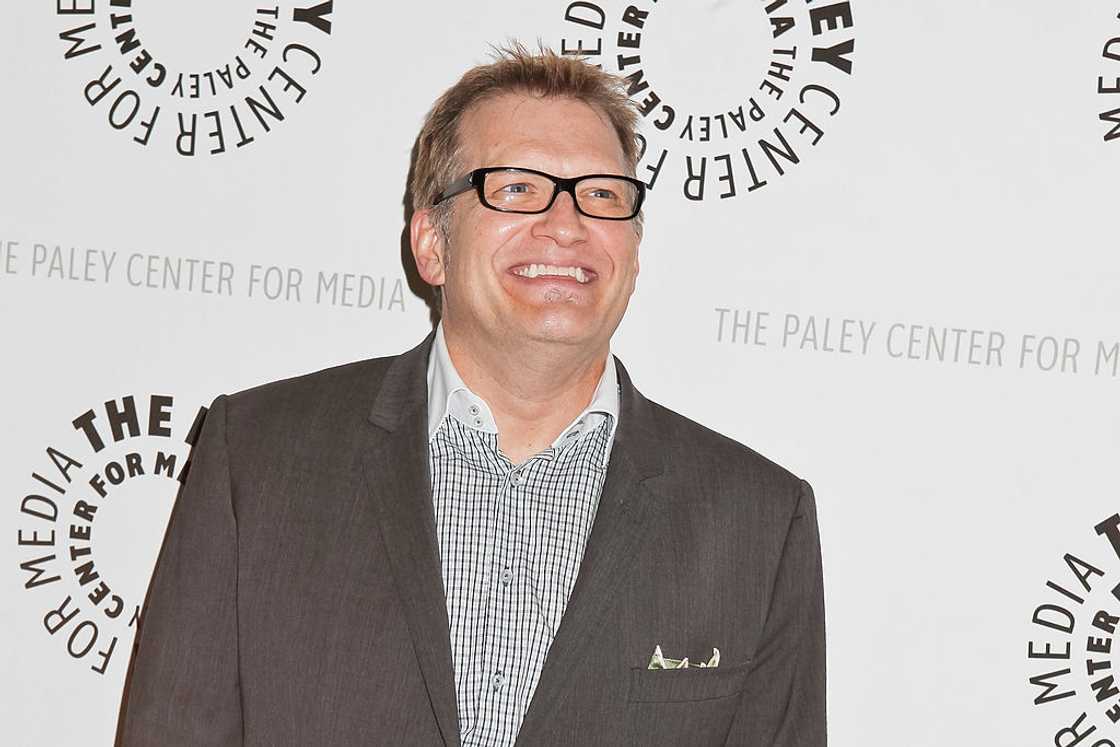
563,222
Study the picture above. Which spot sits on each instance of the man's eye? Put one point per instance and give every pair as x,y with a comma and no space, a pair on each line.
603,194
516,188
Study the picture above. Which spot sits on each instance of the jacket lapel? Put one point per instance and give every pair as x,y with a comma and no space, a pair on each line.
626,508
395,462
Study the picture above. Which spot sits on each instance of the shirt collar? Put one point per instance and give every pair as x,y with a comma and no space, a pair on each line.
449,395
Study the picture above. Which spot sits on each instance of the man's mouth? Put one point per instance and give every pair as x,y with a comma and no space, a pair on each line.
579,274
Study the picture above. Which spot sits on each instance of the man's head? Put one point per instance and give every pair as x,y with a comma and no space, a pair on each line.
551,114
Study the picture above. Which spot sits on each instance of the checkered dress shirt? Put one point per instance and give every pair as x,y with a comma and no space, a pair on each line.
511,538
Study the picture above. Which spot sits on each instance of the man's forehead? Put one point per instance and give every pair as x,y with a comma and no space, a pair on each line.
516,125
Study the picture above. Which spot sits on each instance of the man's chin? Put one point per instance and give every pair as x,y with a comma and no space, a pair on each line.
563,329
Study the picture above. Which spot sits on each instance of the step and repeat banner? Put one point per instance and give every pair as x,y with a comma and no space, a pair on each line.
880,248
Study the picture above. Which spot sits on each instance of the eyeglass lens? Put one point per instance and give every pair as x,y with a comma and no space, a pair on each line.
518,191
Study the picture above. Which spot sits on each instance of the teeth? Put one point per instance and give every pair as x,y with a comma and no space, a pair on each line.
536,270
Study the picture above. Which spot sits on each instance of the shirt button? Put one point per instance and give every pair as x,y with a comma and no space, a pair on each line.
507,576
473,409
497,680
515,477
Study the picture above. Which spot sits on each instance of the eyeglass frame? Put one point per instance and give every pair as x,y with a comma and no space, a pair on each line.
476,179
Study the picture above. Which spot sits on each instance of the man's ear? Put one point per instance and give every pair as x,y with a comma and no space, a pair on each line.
427,247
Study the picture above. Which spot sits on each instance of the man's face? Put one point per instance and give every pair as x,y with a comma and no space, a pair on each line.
484,296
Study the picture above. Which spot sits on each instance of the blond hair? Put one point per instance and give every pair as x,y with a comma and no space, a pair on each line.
514,70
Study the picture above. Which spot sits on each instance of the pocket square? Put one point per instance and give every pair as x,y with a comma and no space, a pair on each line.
660,661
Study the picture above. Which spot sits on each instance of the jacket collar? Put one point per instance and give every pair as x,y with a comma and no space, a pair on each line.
403,388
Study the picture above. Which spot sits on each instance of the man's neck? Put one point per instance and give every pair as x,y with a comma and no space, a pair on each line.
533,391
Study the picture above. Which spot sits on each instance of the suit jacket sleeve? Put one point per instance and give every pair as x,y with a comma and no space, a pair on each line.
183,686
783,704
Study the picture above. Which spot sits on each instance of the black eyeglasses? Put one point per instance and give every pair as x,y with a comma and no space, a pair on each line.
510,189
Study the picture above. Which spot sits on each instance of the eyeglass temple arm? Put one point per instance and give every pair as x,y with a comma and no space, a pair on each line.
455,188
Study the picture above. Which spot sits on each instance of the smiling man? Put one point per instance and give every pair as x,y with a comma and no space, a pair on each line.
493,537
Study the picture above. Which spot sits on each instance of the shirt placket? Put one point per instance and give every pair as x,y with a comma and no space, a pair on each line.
503,631
516,630
465,447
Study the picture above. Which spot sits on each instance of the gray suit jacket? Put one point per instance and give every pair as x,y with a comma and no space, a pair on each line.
297,599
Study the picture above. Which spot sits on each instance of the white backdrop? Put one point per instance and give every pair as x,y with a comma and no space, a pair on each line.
966,182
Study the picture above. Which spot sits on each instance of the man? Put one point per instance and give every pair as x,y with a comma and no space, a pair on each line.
494,536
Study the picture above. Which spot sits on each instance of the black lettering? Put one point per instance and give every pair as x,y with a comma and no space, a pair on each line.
785,152
695,179
32,566
1113,117
635,17
599,21
835,55
123,417
315,15
1043,680
257,107
165,463
76,41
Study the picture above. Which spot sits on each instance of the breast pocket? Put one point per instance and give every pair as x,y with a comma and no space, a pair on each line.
683,685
